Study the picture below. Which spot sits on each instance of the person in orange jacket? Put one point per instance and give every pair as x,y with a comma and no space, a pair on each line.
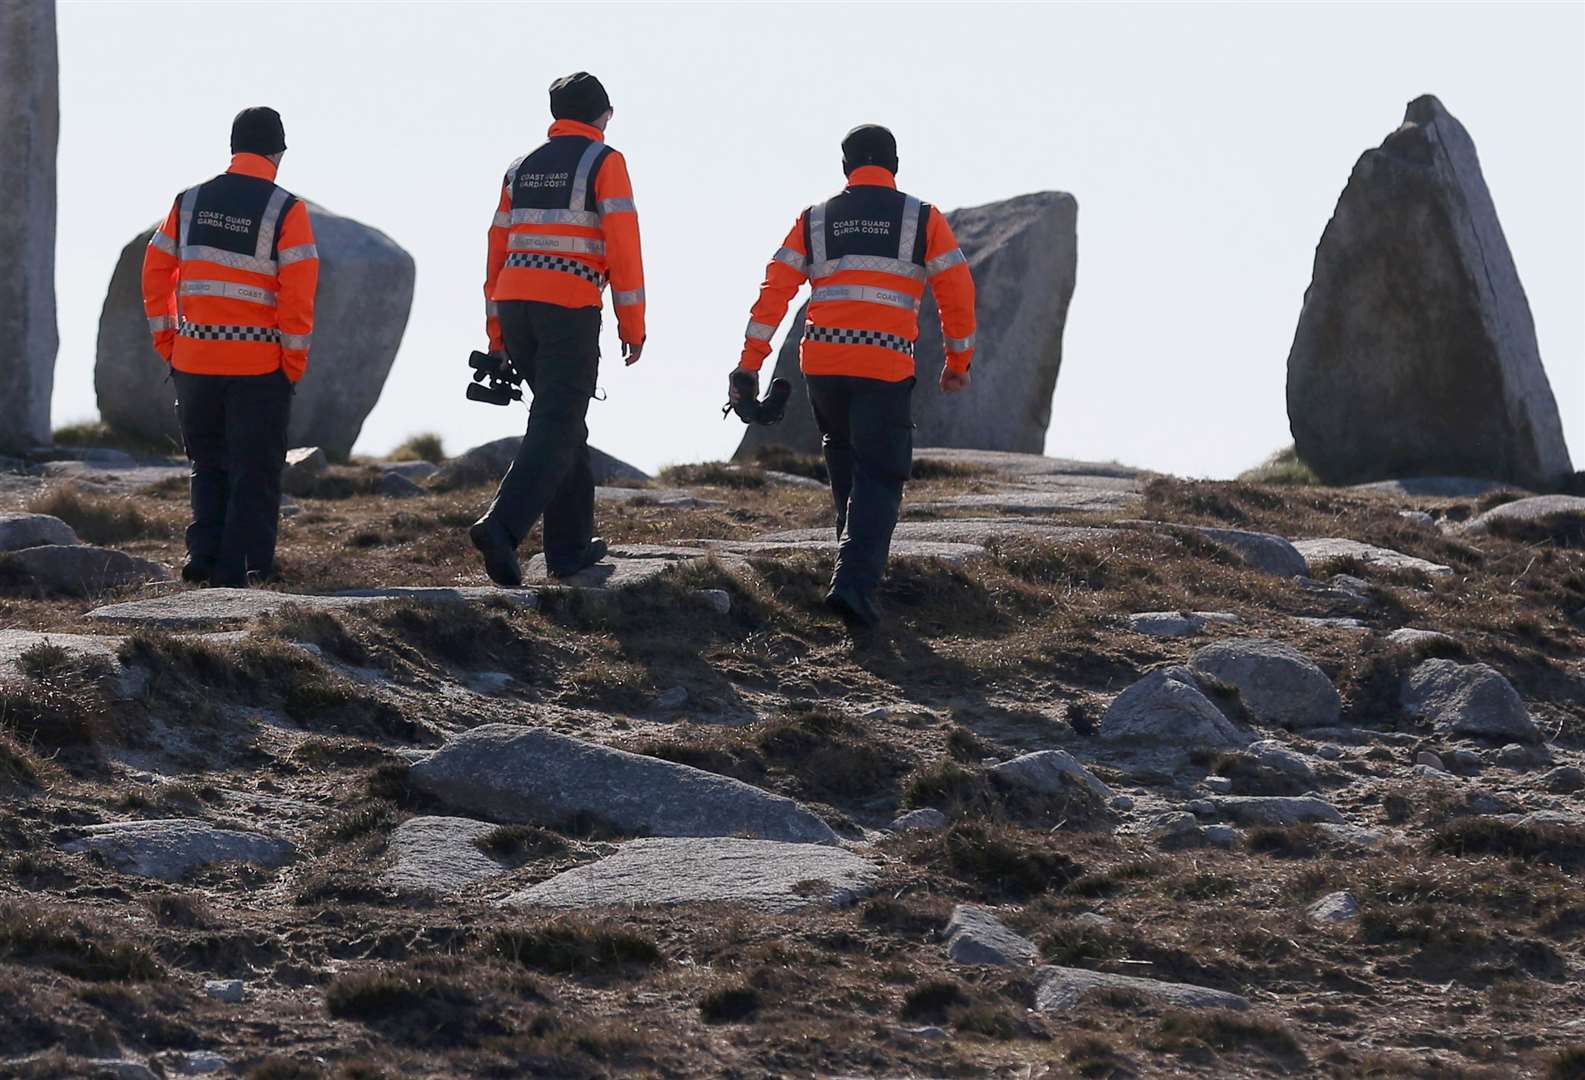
869,252
228,286
564,227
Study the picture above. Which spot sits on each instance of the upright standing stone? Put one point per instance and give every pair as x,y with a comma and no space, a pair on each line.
1416,353
29,125
1023,253
360,315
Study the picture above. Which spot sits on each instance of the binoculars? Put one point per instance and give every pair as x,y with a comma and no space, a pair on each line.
752,410
495,381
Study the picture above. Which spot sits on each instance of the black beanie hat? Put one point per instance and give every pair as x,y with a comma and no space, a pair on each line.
578,96
869,144
258,130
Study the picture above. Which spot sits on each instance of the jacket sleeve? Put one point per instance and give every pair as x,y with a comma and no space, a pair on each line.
299,280
160,266
953,285
786,272
613,192
495,259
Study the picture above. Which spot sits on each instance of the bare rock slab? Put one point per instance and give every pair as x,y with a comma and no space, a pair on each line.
1076,499
222,607
170,849
1332,909
1062,988
1317,553
1023,466
975,936
1276,810
1278,684
762,874
1468,699
18,531
1415,352
1169,708
1168,624
79,570
439,855
86,650
1540,512
956,554
534,776
979,531
625,566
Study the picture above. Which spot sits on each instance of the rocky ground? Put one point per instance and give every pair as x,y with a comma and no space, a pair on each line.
1144,777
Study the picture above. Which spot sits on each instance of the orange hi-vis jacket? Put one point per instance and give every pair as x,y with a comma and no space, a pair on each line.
229,277
565,225
868,251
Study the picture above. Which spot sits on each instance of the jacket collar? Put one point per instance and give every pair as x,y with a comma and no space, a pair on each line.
872,176
576,127
256,165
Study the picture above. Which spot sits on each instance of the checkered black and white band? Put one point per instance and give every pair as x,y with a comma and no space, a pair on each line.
538,261
214,332
835,336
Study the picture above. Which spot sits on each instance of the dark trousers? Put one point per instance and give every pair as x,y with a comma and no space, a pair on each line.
234,430
557,351
868,438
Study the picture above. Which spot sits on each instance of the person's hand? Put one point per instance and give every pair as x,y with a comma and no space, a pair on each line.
732,394
631,353
953,382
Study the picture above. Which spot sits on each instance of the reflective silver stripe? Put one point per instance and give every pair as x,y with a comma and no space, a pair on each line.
792,259
511,172
161,322
617,206
268,222
185,216
162,242
296,341
758,331
200,253
945,262
501,220
231,290
866,294
532,216
909,233
492,310
580,178
817,234
627,299
960,344
535,242
297,254
874,263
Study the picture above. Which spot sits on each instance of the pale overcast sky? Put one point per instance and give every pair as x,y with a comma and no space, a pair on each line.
1206,145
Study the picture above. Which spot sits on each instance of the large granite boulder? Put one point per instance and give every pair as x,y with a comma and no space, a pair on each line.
1024,256
1416,353
29,125
360,314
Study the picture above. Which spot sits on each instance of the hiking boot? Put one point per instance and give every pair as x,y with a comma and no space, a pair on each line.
855,608
197,572
500,555
593,552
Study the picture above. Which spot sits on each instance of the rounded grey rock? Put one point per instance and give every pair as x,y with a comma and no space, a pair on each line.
1278,684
